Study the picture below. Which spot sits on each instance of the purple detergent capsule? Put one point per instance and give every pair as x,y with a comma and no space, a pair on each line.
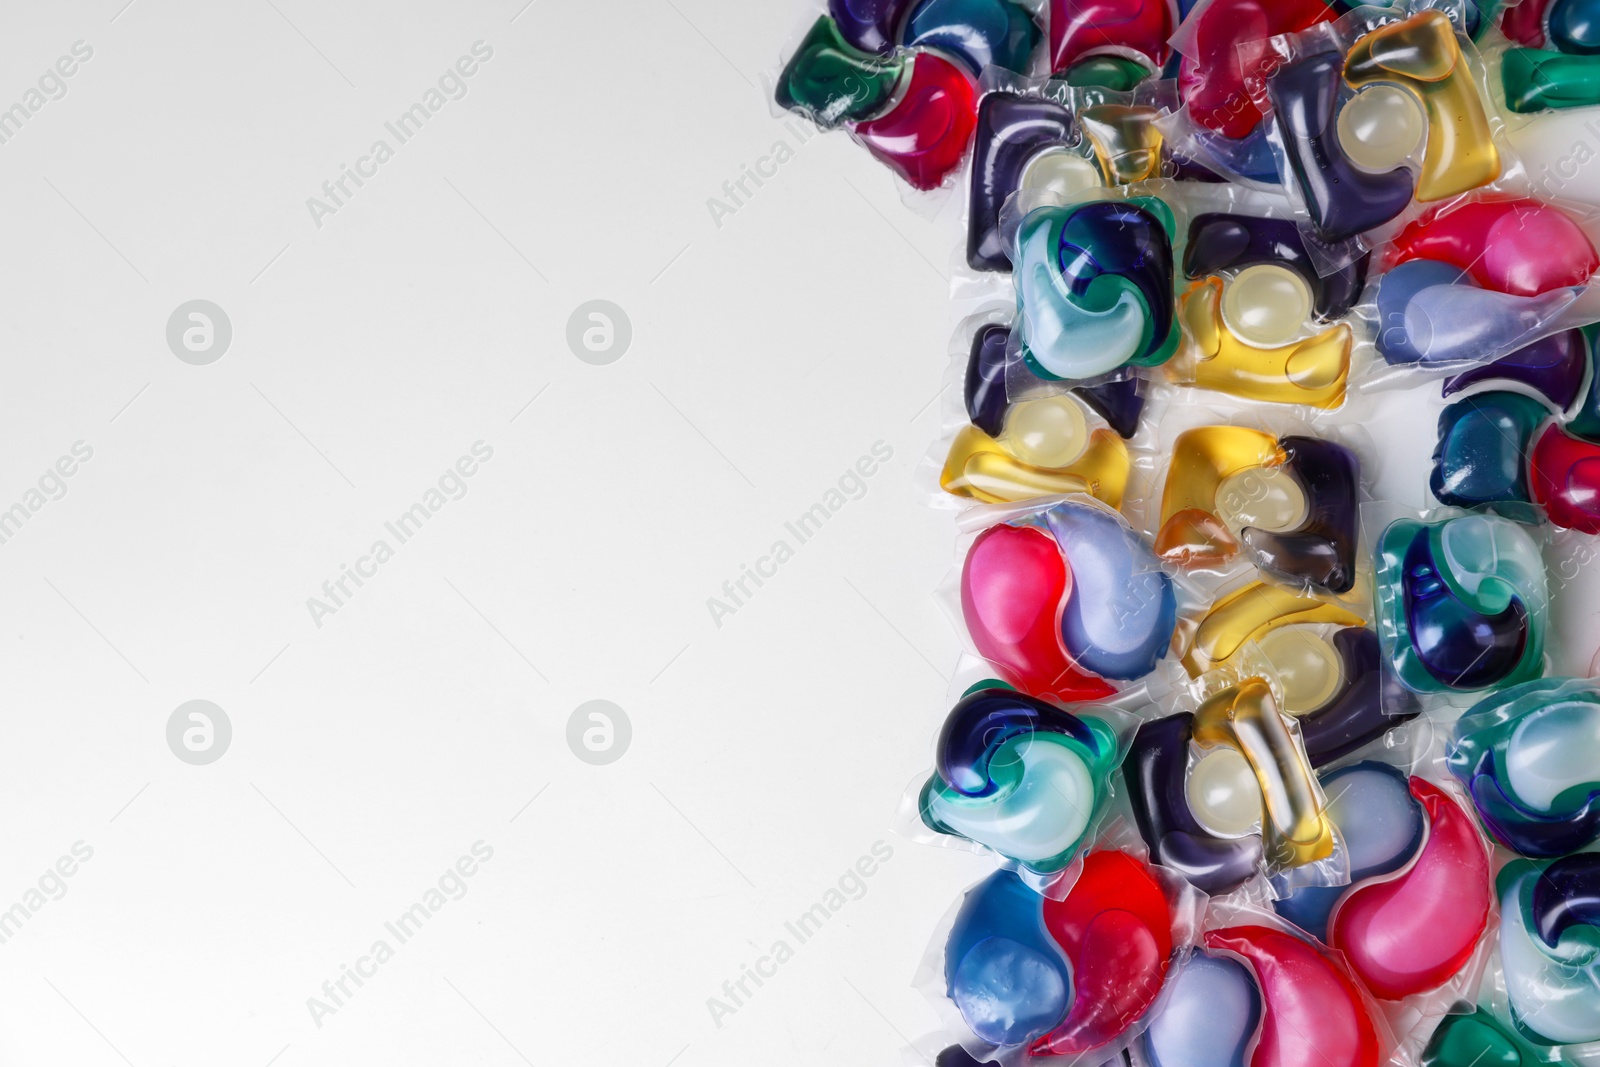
870,25
1322,549
1344,199
1553,366
1219,242
1012,131
1120,401
1369,703
1156,770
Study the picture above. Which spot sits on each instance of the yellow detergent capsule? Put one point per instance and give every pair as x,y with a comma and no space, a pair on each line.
1422,56
1314,372
1249,614
1192,534
981,468
1295,827
1126,142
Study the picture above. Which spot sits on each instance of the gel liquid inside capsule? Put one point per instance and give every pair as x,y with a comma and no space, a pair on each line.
1115,928
1264,497
1310,670
1048,432
1416,931
1314,1011
1479,1040
1223,793
1060,172
1157,773
1380,127
1266,304
1210,1014
1548,953
1368,704
1245,717
1382,826
1461,603
1002,970
1094,286
1530,756
1421,54
1020,776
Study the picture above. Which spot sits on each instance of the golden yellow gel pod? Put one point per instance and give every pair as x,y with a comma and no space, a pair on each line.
1295,828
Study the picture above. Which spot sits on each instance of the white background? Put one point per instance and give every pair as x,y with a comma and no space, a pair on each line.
768,354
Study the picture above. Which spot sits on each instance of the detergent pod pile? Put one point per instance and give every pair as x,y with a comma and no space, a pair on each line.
1272,773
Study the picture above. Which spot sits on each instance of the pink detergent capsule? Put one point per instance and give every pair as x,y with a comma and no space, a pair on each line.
1230,52
1565,477
1417,929
1115,928
1079,27
1314,1011
1014,585
1522,247
924,136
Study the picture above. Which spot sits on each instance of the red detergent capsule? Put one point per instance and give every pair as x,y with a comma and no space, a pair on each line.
1416,930
1230,52
1115,928
1314,1012
1524,23
924,136
1565,477
1079,27
1014,585
1522,247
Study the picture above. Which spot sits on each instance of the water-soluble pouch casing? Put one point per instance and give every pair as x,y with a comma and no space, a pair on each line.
1530,758
1378,114
1021,776
1462,603
1063,595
